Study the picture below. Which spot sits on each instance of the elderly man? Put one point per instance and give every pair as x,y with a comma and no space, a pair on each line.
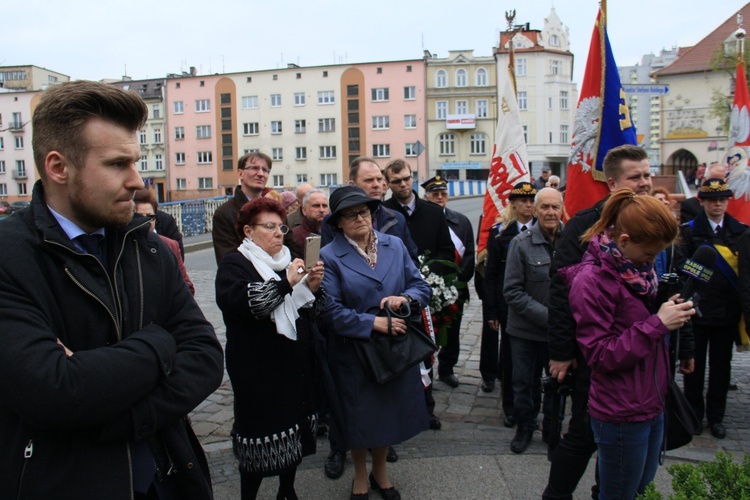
462,235
105,351
526,291
541,182
314,210
295,218
716,329
553,182
519,217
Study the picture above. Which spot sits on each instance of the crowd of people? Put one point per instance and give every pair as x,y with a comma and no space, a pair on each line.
108,351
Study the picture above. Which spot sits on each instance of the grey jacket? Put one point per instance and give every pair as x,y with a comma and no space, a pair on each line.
527,280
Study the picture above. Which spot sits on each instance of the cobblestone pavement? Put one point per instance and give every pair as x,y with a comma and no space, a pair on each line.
472,419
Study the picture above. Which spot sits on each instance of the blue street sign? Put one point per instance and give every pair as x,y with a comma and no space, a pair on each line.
646,89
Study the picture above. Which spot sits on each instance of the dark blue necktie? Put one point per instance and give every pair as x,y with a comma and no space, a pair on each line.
91,243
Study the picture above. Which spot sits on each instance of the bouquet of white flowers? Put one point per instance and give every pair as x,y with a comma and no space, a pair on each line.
443,307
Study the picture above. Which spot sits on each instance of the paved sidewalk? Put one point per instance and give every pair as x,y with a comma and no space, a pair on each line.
468,458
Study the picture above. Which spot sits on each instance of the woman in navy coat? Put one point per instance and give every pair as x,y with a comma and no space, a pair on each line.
365,270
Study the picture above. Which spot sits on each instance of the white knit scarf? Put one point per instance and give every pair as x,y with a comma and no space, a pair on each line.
285,315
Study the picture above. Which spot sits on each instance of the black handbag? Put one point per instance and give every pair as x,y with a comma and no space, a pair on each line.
680,421
385,357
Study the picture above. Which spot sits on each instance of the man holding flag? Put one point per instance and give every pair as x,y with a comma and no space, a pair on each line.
602,127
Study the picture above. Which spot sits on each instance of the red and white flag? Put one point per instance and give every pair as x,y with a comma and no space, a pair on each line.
737,153
509,162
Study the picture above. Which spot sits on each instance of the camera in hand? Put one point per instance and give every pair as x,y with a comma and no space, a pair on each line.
564,388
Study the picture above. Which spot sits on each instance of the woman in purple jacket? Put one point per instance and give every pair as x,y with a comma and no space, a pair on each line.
623,341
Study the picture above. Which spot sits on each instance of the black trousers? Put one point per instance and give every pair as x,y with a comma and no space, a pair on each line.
489,359
448,355
495,360
572,455
715,343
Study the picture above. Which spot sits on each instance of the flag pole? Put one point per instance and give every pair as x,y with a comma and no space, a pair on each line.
510,16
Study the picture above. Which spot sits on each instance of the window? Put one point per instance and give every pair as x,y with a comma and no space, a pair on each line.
179,158
564,99
275,127
441,110
327,179
250,102
18,140
482,108
143,165
549,102
352,90
410,121
21,169
478,144
410,149
379,95
554,67
481,77
181,184
526,133
3,190
522,102
277,180
226,124
179,133
22,189
564,139
204,157
327,125
381,150
441,79
326,97
521,67
179,107
226,98
461,78
299,127
2,166
156,111
299,98
159,162
275,100
250,128
202,105
410,93
203,132
301,178
381,122
157,136
2,144
447,144
142,137
554,40
205,183
327,152
300,154
462,107
277,154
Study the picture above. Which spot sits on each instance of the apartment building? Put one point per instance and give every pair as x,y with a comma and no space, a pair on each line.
547,95
461,114
29,77
17,173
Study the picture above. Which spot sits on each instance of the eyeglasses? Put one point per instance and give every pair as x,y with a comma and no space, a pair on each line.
352,216
271,227
553,185
256,169
150,216
402,180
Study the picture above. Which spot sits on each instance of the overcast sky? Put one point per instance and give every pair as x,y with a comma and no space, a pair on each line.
94,40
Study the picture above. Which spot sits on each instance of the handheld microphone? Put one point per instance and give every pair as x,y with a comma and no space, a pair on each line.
698,270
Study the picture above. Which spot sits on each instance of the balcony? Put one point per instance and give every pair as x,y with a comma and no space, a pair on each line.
19,174
16,126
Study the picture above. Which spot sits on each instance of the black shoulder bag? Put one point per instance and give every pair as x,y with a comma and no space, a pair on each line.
385,357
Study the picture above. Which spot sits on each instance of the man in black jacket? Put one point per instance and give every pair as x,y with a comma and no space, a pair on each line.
462,235
105,351
624,167
716,328
428,228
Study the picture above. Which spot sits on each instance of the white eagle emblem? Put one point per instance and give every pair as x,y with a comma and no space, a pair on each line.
739,177
585,130
739,128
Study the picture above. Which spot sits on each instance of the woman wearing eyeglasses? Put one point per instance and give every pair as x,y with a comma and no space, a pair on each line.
365,270
269,302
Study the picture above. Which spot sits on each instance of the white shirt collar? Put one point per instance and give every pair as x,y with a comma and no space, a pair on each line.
71,229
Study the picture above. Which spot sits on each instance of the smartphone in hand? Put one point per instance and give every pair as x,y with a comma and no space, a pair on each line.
312,251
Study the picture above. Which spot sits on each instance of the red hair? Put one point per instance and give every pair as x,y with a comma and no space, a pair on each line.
252,209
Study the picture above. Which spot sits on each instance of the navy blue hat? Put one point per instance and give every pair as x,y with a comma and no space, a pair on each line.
714,188
347,197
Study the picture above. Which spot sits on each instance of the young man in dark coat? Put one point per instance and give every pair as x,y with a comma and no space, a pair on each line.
105,351
716,329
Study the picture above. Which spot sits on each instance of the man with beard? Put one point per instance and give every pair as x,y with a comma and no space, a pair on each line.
314,210
105,351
